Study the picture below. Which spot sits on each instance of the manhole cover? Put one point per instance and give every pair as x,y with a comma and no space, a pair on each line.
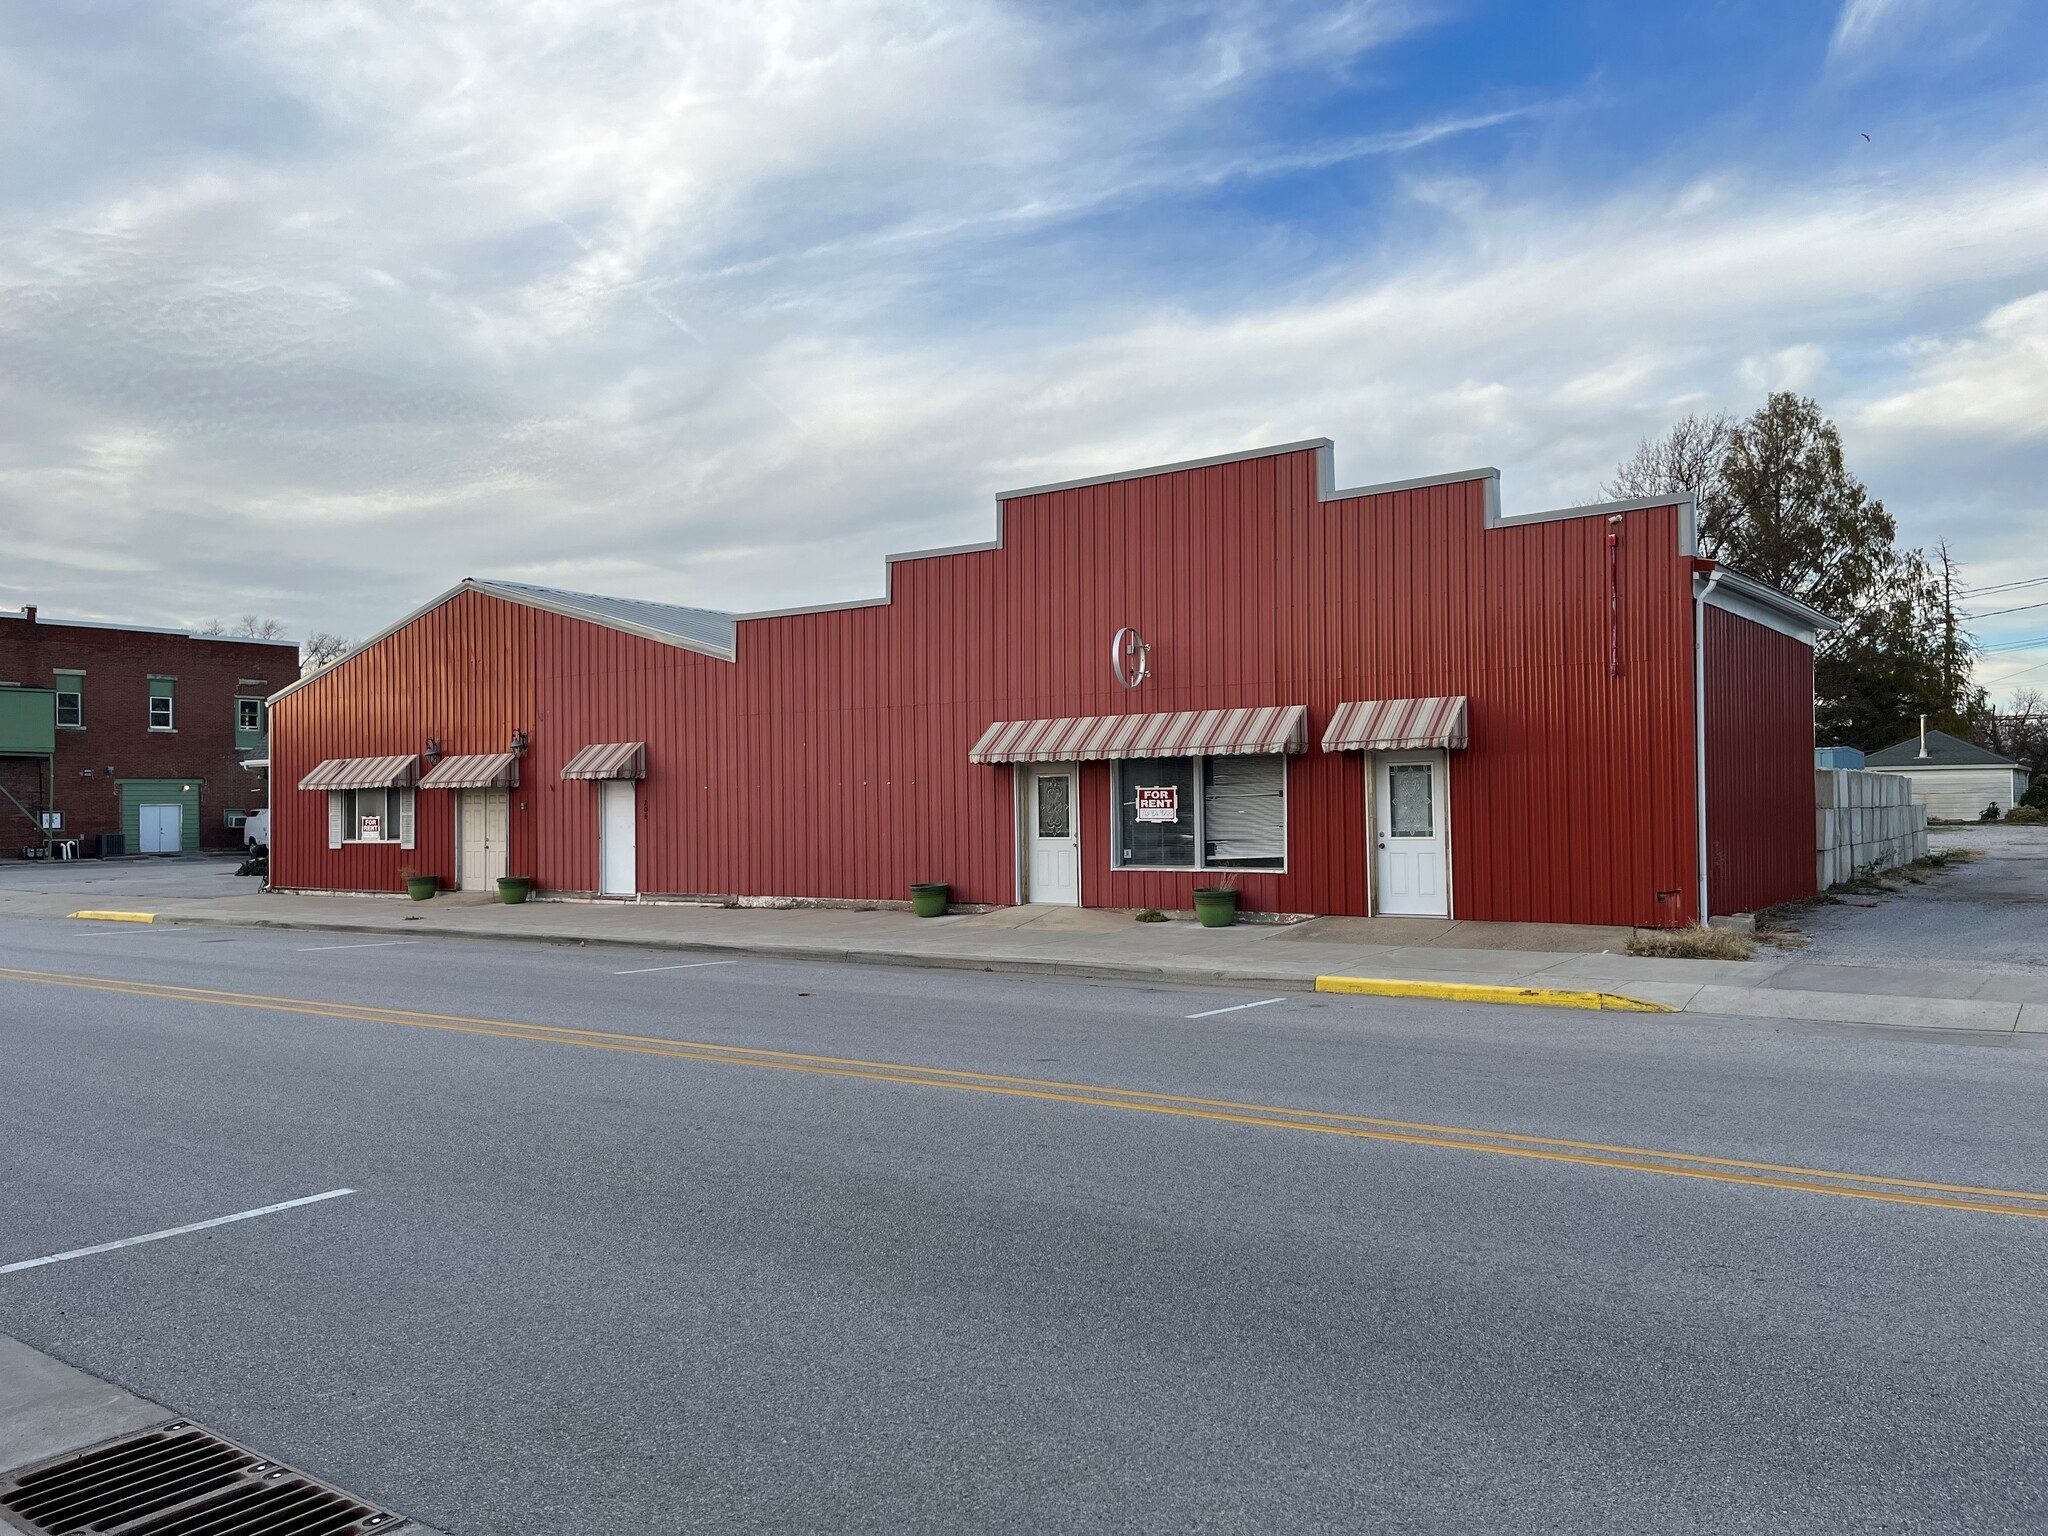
179,1480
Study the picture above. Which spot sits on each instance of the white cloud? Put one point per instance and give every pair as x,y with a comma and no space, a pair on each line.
1989,385
718,304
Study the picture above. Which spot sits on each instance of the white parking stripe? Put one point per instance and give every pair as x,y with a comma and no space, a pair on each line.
1236,1008
312,949
150,1237
694,965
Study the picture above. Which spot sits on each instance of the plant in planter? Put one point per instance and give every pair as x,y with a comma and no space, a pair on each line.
929,899
1216,905
513,889
418,886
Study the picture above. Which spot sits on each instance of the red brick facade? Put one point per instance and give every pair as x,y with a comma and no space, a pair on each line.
115,742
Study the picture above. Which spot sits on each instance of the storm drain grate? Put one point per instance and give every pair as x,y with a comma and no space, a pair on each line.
180,1480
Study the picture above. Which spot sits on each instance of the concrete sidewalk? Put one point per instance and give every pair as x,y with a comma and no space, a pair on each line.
1110,945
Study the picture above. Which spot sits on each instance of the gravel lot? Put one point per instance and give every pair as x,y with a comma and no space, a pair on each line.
1987,915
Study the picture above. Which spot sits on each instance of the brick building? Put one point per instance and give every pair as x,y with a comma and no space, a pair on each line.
118,729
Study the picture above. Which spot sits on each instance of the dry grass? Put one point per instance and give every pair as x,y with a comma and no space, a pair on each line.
1690,944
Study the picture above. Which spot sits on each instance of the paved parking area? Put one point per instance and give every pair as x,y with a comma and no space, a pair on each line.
155,877
1987,915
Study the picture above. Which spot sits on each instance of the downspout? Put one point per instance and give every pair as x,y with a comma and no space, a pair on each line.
1699,725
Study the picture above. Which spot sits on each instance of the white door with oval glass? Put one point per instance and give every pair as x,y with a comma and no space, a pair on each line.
1052,836
1410,803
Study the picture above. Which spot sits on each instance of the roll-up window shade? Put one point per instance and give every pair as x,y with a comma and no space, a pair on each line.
1245,807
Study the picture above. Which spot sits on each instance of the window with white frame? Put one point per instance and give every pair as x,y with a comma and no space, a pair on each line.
249,716
71,700
162,703
1201,812
370,816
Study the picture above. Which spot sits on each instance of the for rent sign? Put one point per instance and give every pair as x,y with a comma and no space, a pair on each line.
1159,803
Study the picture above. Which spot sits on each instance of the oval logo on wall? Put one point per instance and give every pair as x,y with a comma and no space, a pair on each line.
1130,658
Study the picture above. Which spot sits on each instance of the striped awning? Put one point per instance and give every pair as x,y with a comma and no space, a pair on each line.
1190,733
362,773
485,770
1398,725
609,760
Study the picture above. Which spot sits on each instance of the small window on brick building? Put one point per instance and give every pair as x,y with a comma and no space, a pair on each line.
71,699
162,704
248,722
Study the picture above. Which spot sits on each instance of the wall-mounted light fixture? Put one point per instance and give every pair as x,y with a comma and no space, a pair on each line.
518,748
433,748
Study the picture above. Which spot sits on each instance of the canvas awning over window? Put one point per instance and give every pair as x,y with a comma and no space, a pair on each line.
1398,725
485,770
609,760
1189,733
362,773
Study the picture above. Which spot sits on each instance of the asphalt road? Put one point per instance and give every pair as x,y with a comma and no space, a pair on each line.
605,1286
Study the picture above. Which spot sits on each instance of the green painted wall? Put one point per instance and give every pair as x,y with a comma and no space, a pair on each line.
248,741
136,793
28,722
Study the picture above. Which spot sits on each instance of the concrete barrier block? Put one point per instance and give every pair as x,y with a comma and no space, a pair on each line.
1827,790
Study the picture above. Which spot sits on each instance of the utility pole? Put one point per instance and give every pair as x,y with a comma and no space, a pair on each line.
1948,629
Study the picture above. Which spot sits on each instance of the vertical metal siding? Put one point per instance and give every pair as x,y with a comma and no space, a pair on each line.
831,758
463,673
1760,787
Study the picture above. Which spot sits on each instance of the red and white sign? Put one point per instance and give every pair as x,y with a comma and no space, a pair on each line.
1159,803
373,829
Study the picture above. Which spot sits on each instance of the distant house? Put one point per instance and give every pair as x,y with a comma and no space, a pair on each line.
121,737
1953,778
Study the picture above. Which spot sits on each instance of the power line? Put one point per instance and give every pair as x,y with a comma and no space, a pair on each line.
2006,586
1999,612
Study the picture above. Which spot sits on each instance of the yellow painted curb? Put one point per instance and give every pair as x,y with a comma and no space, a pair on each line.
1487,992
118,917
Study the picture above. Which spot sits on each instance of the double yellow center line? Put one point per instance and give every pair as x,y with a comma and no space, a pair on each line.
1686,1165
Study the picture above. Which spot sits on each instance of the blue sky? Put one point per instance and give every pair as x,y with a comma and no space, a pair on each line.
312,310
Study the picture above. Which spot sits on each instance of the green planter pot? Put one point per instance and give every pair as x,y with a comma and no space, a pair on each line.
929,900
513,889
422,887
1216,907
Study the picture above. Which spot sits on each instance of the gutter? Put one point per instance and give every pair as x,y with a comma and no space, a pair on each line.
1699,724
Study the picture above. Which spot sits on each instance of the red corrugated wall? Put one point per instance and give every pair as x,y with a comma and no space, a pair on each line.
831,758
1760,789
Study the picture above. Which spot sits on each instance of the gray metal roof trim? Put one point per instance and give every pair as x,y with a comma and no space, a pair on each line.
1770,597
531,597
699,629
1166,469
1686,503
383,634
798,612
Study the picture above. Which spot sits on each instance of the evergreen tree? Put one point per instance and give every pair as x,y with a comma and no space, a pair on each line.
1777,502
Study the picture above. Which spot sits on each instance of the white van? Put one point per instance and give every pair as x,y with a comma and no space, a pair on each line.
256,831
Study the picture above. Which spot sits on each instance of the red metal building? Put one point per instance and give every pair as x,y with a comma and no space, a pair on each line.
1386,699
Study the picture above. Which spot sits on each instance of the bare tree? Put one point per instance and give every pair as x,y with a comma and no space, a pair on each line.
247,627
2019,731
321,649
1687,458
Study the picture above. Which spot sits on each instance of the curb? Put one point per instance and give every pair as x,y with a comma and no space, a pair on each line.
1102,970
1488,992
116,917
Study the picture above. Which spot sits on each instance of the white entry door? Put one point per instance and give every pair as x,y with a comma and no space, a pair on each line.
1414,879
162,829
618,838
483,824
1052,824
